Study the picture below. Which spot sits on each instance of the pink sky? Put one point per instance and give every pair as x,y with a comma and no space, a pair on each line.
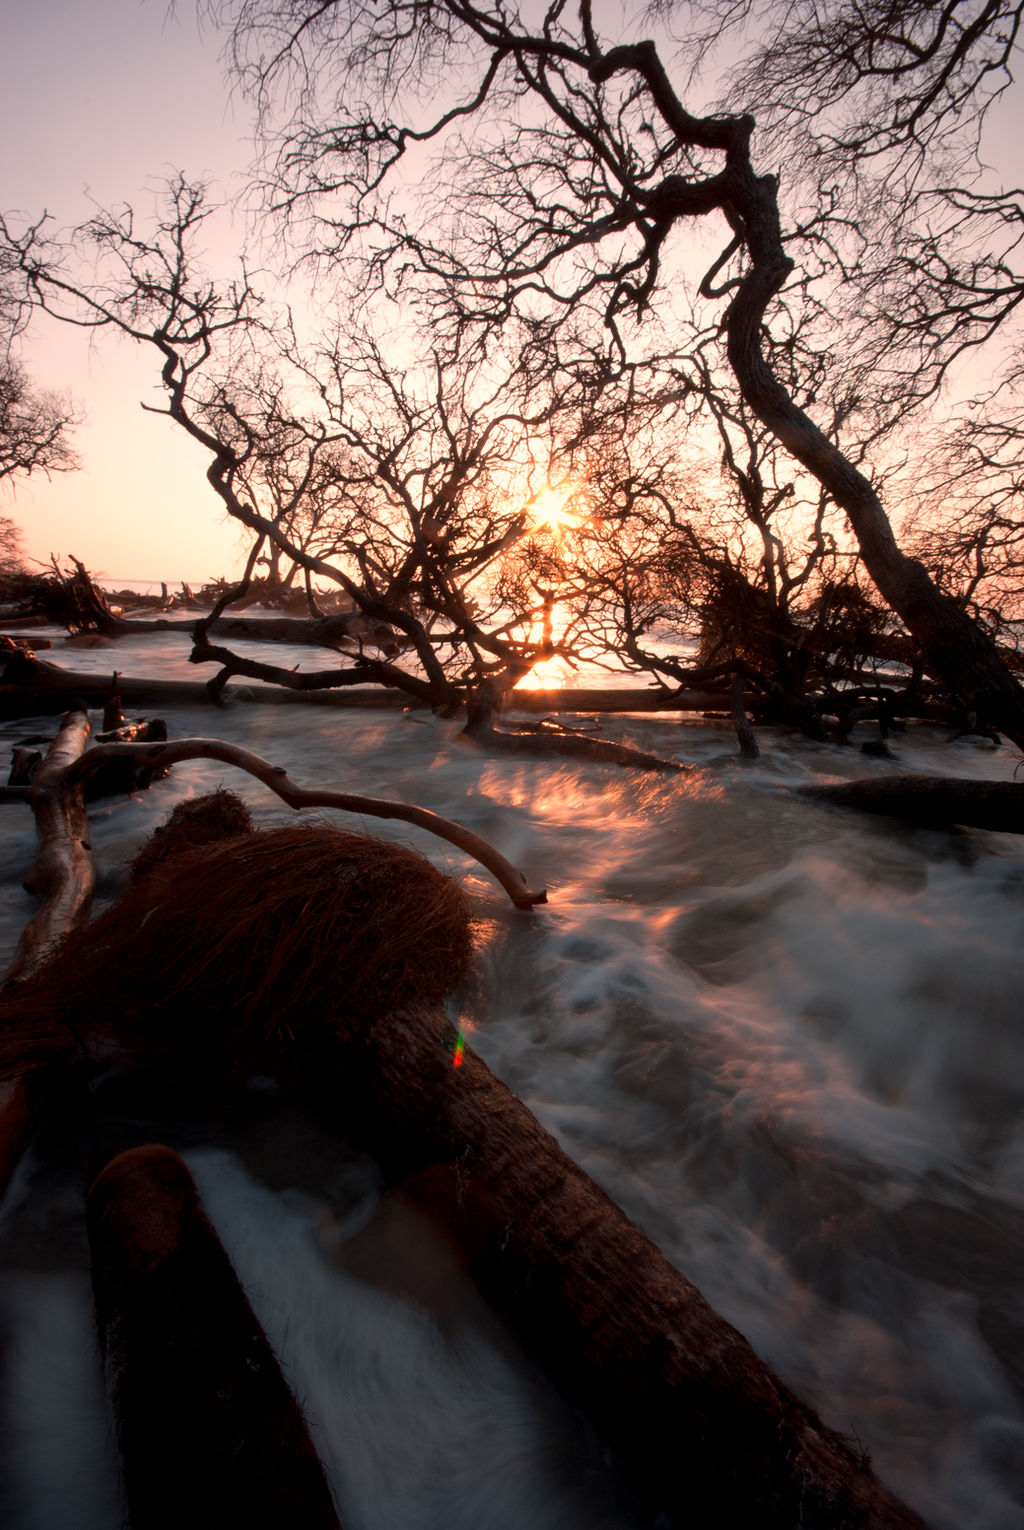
99,102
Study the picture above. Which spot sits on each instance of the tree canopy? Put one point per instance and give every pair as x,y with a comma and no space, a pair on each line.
550,258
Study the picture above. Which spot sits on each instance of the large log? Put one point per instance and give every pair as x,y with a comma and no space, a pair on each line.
933,801
209,970
708,1433
210,1435
32,681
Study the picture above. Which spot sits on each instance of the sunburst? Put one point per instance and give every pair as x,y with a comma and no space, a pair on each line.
553,509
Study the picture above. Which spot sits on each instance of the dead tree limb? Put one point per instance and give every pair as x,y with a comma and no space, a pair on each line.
357,673
155,756
62,875
934,801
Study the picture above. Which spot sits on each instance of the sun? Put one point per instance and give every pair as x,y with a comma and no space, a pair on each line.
553,509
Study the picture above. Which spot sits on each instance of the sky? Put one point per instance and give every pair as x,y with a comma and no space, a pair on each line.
99,102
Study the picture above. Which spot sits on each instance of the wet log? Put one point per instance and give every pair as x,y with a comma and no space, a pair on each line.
317,632
122,777
932,801
62,875
707,1432
209,1433
25,674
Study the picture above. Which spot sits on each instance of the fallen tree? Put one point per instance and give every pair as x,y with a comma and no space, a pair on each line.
86,609
554,742
933,801
63,874
218,976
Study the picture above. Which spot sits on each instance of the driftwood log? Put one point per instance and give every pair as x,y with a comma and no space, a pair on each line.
933,801
553,744
706,1431
209,1433
34,685
326,631
62,875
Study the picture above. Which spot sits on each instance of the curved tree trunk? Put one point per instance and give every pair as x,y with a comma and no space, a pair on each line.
952,644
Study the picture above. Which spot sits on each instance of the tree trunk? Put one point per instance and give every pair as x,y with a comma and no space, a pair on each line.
934,801
210,1435
953,645
706,1431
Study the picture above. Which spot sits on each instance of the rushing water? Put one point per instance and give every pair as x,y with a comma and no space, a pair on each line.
789,1043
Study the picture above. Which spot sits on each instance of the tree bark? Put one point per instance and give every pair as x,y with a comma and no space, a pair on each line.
934,801
63,874
210,1434
707,1432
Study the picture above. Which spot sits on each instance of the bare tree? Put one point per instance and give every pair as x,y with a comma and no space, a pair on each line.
590,168
408,489
35,423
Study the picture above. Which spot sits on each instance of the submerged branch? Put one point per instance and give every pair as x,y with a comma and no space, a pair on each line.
298,797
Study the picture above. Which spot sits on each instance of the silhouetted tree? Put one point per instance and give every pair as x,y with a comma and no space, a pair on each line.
407,488
35,423
570,205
